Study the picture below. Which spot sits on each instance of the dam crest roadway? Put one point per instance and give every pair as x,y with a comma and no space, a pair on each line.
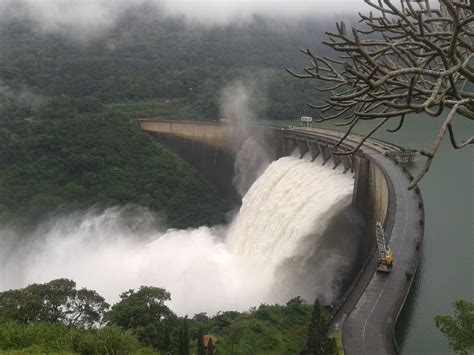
367,313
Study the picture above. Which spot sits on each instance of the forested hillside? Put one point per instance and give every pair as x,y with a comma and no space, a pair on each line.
62,159
148,57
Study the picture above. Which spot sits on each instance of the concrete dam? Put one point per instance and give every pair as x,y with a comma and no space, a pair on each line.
366,313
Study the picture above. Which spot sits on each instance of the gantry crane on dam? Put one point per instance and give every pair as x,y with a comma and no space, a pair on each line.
385,260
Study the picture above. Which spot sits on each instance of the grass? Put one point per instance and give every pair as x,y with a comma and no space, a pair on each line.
338,342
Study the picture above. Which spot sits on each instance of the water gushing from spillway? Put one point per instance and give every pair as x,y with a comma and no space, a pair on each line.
290,204
287,240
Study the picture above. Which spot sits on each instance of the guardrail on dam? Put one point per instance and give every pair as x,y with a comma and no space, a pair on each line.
367,312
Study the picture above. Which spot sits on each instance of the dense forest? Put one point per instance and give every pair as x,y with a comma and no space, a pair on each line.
57,317
149,57
71,154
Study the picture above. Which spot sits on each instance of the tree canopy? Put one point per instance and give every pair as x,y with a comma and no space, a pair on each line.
38,318
57,302
459,328
63,160
148,58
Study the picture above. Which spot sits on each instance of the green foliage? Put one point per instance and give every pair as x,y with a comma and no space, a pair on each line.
183,339
57,301
140,322
318,342
140,308
145,313
54,338
268,329
336,343
200,342
143,58
72,161
459,328
210,347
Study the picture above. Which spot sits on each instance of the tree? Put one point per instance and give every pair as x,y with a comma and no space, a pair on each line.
410,58
200,342
57,301
165,343
460,328
140,308
235,333
210,347
183,338
318,342
144,311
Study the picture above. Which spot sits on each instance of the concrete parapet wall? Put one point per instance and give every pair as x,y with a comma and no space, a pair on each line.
209,133
378,194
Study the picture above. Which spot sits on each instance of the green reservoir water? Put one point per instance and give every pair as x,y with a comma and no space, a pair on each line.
446,271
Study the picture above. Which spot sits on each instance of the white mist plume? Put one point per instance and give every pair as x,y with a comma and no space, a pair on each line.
235,102
251,157
22,95
278,233
250,162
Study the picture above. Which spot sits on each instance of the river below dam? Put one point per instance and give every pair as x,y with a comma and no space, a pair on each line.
446,271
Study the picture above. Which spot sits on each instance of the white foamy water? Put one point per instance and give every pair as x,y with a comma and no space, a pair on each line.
273,250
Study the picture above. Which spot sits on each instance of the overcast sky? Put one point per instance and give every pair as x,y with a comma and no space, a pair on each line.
90,15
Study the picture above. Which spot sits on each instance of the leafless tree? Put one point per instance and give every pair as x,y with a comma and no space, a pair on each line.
410,57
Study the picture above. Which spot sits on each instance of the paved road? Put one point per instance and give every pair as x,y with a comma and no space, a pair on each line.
368,328
368,316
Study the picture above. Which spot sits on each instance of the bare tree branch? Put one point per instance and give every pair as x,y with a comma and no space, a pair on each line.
410,58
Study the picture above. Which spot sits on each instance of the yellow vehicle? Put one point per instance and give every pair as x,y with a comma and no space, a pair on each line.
385,261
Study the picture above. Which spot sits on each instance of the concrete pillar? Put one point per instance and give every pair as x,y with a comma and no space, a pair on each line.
279,143
325,151
336,158
302,147
314,149
289,145
346,162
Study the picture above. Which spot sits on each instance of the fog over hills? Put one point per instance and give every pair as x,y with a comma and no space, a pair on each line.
100,14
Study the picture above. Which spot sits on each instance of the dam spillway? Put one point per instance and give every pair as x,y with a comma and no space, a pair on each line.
366,314
292,200
283,229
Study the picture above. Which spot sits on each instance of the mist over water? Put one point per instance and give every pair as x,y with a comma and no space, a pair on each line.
276,247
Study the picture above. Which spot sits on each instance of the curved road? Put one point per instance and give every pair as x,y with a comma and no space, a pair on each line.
367,318
368,327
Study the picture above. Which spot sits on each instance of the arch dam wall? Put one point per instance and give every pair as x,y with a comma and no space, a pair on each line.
211,147
366,314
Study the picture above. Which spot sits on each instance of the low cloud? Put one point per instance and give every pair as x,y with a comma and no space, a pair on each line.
87,18
21,95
